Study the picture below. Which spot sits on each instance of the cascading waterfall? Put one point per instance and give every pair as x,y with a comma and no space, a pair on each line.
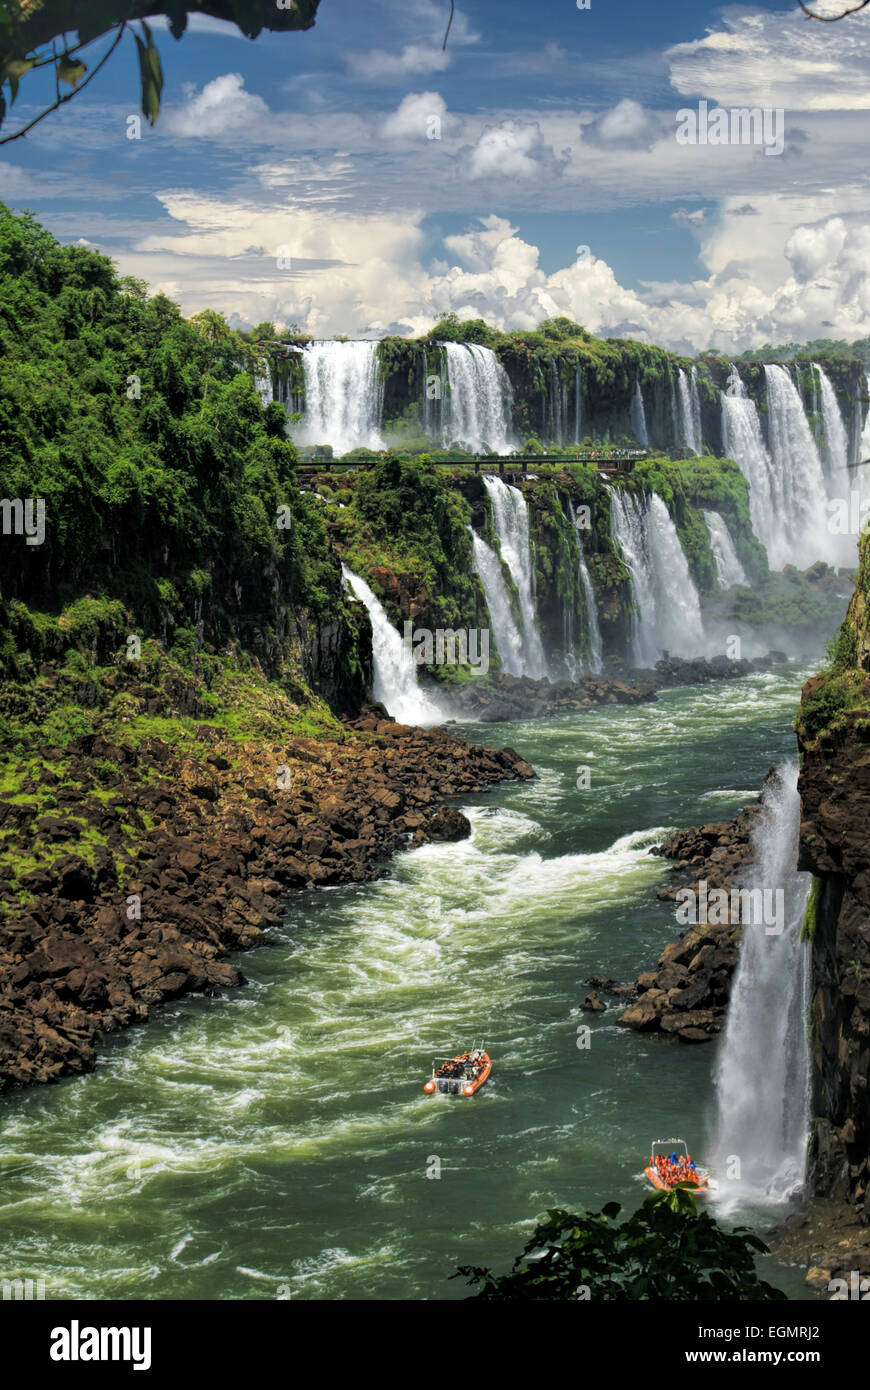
798,488
864,433
840,480
835,442
676,427
555,426
638,417
696,413
511,520
743,441
578,410
763,1071
506,634
669,610
728,567
263,385
478,408
591,627
395,670
343,396
690,412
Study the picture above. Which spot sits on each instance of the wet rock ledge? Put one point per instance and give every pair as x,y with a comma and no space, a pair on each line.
219,846
686,994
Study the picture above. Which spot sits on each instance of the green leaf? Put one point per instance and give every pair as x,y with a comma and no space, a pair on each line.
150,75
70,70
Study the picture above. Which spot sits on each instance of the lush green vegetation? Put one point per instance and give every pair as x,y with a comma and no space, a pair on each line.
169,490
810,352
842,689
670,1248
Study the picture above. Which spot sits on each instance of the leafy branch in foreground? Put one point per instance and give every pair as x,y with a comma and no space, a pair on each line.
35,36
668,1249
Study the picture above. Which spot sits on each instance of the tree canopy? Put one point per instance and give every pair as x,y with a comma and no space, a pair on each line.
669,1249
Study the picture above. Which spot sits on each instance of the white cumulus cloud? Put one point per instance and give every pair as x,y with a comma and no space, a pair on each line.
223,108
419,116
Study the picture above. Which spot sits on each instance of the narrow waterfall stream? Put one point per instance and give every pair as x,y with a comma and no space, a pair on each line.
743,441
506,634
728,567
669,610
638,417
689,412
762,1076
395,671
591,626
511,518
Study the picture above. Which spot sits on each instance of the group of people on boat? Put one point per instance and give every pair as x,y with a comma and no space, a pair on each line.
466,1065
674,1169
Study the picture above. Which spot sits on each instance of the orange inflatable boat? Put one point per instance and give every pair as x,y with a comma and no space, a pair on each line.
671,1163
461,1075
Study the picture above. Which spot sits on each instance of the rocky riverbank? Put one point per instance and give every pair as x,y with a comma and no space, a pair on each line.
500,698
831,1241
223,831
686,994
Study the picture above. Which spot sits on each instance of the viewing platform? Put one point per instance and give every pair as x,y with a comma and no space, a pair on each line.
608,460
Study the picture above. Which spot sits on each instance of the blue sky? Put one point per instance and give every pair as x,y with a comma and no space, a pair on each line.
356,178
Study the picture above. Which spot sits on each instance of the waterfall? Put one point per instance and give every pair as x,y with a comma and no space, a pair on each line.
696,413
763,1070
638,417
343,396
478,408
669,611
511,519
395,670
798,485
557,398
578,409
504,629
728,567
591,628
742,441
835,442
864,446
690,412
263,386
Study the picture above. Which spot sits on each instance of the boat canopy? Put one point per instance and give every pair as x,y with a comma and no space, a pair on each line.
669,1146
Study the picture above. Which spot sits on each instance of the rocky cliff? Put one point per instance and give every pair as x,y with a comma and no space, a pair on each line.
834,737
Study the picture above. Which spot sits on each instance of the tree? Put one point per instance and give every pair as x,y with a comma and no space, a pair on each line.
669,1249
36,36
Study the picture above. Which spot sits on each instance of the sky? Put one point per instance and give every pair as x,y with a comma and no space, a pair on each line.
359,179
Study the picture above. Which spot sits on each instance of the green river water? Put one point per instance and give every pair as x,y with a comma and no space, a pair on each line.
275,1142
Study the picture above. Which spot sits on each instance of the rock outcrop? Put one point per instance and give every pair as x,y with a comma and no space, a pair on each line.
686,994
834,736
225,833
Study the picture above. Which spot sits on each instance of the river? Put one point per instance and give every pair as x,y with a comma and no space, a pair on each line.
275,1142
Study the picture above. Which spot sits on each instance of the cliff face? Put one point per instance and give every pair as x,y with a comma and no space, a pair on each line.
834,736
